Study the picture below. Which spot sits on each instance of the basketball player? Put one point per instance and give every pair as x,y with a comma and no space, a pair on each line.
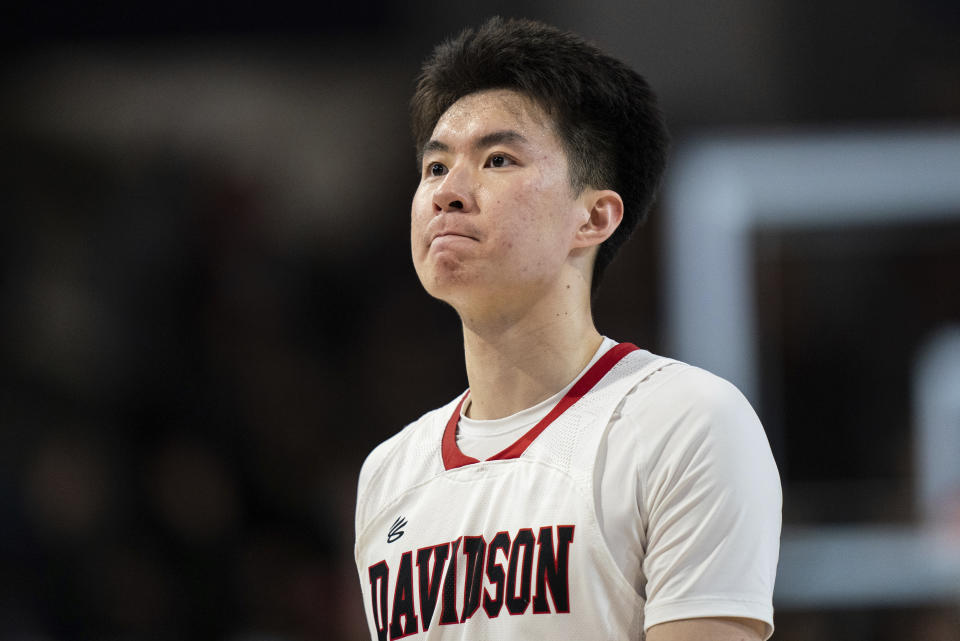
581,488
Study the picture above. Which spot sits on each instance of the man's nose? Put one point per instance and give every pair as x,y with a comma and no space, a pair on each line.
455,192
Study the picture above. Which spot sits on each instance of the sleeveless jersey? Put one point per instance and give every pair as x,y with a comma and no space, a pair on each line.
507,548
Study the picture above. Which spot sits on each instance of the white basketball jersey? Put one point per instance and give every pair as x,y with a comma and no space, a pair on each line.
507,548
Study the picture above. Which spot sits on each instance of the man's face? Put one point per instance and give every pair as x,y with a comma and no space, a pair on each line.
495,214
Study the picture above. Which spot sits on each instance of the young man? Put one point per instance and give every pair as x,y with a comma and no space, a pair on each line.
581,488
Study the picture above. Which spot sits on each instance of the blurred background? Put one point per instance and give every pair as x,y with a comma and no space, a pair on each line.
208,314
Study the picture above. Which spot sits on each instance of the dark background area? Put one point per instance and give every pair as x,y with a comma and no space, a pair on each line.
208,314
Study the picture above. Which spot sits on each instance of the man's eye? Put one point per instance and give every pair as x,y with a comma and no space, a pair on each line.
499,160
436,169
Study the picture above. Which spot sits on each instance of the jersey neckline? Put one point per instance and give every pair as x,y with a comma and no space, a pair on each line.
453,457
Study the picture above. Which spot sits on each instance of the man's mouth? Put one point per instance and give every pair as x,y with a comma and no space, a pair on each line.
451,235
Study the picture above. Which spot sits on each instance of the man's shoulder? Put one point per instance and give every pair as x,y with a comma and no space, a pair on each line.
682,387
405,458
662,381
682,406
410,439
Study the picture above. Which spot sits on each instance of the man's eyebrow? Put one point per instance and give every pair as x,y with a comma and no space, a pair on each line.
506,136
433,145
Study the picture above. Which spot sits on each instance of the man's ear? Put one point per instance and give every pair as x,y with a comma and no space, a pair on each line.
604,209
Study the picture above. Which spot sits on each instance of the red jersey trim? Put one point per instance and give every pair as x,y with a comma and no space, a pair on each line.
454,458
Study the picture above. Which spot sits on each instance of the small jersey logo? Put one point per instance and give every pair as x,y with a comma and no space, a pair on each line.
396,530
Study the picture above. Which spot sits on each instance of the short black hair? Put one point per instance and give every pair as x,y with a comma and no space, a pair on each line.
606,115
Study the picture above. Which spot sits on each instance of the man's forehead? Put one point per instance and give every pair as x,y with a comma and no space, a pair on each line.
492,109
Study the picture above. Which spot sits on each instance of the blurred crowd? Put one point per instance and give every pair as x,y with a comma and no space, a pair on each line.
169,468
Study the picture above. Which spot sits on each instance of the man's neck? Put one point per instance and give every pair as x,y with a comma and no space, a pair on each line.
514,365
